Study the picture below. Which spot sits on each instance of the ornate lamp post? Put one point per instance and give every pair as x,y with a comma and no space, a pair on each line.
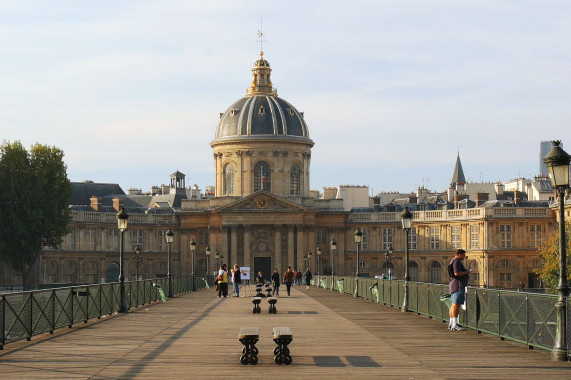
216,256
309,259
122,218
138,259
192,251
406,217
305,260
388,254
318,255
557,162
333,246
207,257
358,239
169,236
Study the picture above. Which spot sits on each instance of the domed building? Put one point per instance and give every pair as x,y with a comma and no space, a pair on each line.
262,143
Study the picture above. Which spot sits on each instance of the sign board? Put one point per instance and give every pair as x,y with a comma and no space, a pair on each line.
245,273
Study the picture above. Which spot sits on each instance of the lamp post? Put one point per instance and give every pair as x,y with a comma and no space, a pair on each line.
207,257
388,254
557,162
216,256
406,217
138,259
318,255
309,260
358,239
192,251
305,260
122,218
333,246
169,236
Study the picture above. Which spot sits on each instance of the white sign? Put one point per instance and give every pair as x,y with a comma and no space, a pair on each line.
245,273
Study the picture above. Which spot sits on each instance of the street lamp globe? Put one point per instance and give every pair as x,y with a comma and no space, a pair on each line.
122,218
358,236
557,162
192,245
169,235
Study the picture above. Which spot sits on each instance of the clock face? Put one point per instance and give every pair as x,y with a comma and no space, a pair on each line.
262,202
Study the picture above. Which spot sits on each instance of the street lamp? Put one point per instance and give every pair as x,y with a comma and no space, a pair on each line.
358,239
406,217
318,254
217,256
138,259
207,257
309,260
122,218
333,245
305,260
557,162
169,236
388,254
192,251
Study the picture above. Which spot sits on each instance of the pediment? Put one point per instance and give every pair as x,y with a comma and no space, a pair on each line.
261,201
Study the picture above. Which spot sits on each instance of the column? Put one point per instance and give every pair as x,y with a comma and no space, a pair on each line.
234,246
224,247
340,254
278,248
300,247
290,246
247,247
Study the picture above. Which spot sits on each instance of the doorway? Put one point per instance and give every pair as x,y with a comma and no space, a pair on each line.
264,265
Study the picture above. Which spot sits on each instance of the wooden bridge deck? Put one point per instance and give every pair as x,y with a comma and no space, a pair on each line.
334,336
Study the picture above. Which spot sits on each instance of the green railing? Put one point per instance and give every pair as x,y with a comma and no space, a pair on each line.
527,318
26,314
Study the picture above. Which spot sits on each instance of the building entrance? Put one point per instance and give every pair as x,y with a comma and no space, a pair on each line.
263,264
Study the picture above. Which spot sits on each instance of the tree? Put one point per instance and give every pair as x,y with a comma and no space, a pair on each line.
549,256
34,203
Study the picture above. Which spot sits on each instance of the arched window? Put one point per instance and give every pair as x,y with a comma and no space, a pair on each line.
413,271
435,272
229,174
262,176
294,180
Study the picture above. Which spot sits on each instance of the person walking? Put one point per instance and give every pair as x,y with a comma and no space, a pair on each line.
298,277
276,283
236,279
457,288
288,278
223,281
308,277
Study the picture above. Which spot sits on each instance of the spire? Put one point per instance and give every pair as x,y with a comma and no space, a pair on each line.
458,176
261,81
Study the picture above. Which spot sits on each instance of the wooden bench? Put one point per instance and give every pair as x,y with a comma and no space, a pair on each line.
249,336
283,337
269,291
256,301
259,291
272,301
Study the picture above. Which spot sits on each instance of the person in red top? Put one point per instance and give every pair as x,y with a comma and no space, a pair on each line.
298,277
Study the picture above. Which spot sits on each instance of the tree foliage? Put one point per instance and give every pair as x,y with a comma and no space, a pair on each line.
549,256
34,203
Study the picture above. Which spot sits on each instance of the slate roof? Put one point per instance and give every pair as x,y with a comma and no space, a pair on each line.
83,191
458,175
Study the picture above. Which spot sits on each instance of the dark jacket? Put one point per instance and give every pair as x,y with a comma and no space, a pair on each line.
276,279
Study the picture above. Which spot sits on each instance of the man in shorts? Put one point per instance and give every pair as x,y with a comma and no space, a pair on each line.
457,288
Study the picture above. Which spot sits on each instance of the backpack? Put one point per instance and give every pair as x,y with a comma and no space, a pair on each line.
451,270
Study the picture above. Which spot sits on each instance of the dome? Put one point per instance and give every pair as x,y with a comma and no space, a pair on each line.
261,113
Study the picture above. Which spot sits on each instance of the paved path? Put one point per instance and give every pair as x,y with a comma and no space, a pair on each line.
335,336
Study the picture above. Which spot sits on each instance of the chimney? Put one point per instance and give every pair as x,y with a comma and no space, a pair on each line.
481,198
95,203
516,197
117,203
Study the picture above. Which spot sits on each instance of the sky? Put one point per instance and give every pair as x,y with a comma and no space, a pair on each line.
392,91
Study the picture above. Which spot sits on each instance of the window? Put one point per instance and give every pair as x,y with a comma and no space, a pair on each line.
321,236
387,238
535,232
262,176
203,237
161,238
474,236
506,280
412,239
505,236
137,241
435,272
91,237
229,175
113,240
455,237
434,238
294,180
71,240
262,111
413,271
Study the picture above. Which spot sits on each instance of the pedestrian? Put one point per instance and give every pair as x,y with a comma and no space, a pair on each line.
288,278
308,277
260,278
457,288
522,286
223,281
276,283
298,277
236,279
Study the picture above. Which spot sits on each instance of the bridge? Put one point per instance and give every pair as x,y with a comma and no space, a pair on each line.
335,335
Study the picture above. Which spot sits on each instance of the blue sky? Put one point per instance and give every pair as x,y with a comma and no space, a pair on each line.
391,90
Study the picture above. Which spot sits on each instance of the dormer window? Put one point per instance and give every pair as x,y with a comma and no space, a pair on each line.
291,113
262,111
233,112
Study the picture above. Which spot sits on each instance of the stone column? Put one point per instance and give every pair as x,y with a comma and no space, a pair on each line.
278,248
224,247
234,246
301,243
290,246
247,247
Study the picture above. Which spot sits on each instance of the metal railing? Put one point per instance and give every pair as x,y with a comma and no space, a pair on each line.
27,314
523,317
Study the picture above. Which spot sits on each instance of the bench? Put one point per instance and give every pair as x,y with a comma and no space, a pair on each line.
256,301
259,291
269,291
282,337
249,336
272,301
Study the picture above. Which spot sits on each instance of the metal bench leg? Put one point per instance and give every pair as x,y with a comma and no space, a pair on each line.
249,352
281,352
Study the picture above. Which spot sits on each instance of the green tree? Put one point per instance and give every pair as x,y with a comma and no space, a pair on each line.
34,203
549,256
